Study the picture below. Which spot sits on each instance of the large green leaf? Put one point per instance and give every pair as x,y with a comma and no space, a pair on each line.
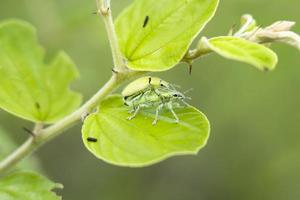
7,146
136,143
27,186
29,88
155,35
242,50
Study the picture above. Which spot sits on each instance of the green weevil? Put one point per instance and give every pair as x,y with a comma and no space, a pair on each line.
152,92
143,84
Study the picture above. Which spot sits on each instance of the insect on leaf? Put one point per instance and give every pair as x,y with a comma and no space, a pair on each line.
137,143
155,35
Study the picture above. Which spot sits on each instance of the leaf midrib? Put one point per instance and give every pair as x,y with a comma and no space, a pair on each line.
154,28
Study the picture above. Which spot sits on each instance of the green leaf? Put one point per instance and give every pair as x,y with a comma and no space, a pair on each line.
29,88
7,146
27,186
248,23
138,143
242,50
155,35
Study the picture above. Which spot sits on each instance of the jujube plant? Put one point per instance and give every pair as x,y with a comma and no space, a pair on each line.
151,120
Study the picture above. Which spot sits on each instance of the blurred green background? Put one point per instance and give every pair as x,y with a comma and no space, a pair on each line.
254,150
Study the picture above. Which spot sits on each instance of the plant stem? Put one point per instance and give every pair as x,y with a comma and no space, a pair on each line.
104,9
41,136
22,151
15,157
54,130
201,50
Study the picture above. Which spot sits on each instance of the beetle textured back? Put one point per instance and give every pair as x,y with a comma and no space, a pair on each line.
142,84
152,92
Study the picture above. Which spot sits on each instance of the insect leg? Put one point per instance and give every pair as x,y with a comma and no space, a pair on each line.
135,99
159,96
135,113
132,111
183,101
157,113
170,107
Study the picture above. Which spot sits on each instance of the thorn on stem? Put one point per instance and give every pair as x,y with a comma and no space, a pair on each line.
266,69
96,12
29,131
114,71
190,68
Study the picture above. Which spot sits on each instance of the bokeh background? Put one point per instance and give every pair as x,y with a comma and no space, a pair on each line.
253,151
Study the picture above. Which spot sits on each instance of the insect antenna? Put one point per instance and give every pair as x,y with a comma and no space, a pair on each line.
174,86
189,90
185,103
188,98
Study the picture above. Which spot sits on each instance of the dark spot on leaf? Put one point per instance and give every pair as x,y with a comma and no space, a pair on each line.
146,20
37,105
90,139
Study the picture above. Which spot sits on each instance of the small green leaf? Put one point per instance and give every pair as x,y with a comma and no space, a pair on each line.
155,35
248,23
137,143
242,50
27,186
7,146
29,88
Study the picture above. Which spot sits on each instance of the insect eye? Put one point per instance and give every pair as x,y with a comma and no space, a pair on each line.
162,85
175,95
